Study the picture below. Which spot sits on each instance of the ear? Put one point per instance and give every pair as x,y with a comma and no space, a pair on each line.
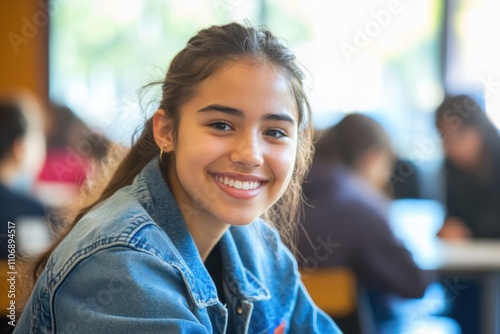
163,131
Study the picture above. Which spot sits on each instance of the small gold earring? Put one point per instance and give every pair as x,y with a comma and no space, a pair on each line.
162,151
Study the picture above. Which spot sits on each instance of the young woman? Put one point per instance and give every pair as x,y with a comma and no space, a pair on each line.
180,240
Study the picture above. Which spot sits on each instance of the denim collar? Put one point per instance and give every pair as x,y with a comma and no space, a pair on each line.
242,283
155,196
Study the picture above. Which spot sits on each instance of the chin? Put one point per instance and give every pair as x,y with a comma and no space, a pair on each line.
238,219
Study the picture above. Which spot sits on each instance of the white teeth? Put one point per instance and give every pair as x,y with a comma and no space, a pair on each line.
237,184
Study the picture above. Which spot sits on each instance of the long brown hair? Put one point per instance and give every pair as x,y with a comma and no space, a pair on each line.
203,56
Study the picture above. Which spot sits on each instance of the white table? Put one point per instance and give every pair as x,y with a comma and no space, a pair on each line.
478,258
471,256
416,222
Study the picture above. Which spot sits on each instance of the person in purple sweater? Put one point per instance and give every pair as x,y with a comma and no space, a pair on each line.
346,221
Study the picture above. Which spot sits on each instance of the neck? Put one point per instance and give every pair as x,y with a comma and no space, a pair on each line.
205,235
205,230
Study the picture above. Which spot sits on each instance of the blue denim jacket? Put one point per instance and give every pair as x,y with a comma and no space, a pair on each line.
131,266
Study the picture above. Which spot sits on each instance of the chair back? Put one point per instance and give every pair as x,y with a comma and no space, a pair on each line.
334,290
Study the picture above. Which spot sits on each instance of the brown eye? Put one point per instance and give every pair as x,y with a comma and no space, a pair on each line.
276,133
220,126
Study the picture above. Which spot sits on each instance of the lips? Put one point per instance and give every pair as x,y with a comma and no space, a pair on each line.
238,184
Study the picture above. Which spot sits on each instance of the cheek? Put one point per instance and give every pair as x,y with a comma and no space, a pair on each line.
463,147
283,162
468,148
194,155
454,147
463,152
476,143
472,150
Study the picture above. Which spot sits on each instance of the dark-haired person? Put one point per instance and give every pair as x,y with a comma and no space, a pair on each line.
472,165
22,152
180,240
471,145
348,207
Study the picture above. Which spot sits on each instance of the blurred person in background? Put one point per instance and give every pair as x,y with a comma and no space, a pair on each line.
346,193
72,147
22,153
471,145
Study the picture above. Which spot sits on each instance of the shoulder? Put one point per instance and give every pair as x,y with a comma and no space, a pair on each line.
122,270
117,290
119,221
108,253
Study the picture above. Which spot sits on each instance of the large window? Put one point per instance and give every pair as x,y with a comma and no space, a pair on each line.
373,56
474,52
377,57
104,51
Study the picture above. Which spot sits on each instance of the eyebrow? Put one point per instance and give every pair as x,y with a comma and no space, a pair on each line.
279,117
223,109
239,113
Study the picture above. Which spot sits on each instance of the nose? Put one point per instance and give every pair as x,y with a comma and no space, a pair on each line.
247,151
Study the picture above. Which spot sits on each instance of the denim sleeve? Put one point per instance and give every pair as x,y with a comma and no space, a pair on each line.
121,290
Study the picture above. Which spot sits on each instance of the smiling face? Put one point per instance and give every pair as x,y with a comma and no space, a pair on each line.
236,145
